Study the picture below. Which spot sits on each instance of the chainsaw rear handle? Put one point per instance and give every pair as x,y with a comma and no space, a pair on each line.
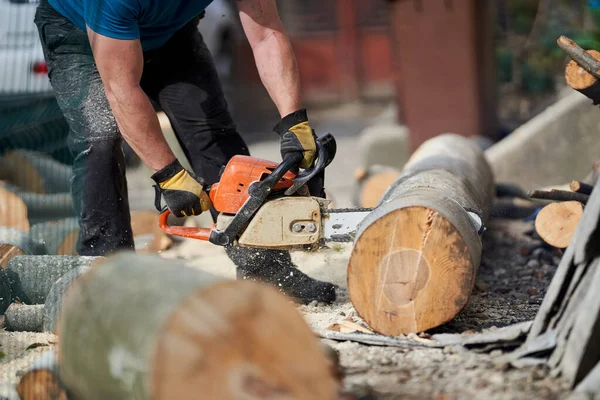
325,152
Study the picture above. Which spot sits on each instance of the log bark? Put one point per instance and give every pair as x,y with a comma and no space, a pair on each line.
32,277
44,207
5,292
581,80
36,172
24,318
372,183
559,195
13,211
42,380
55,298
167,331
556,223
57,237
416,255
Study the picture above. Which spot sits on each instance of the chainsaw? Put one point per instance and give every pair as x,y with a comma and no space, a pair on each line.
263,204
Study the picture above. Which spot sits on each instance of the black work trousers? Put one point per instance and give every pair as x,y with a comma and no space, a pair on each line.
180,77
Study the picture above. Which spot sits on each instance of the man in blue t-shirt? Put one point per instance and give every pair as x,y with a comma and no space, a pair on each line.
110,60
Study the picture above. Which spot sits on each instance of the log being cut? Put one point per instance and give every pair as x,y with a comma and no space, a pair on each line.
167,331
415,257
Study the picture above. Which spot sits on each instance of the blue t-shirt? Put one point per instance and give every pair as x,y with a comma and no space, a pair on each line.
151,21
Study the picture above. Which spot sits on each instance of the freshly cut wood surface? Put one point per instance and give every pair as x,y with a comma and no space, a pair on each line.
415,257
42,380
373,184
7,252
185,332
581,80
556,223
581,187
13,211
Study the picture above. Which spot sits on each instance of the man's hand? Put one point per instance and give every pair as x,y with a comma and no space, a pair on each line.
182,190
297,136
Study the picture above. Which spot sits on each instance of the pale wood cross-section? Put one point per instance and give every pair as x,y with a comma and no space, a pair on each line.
556,222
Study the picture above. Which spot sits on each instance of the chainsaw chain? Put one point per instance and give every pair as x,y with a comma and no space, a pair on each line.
344,238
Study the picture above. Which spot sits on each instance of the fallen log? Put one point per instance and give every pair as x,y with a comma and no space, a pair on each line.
14,242
44,207
556,223
13,211
581,187
5,292
372,183
174,332
36,172
55,298
32,277
24,317
416,255
57,237
41,380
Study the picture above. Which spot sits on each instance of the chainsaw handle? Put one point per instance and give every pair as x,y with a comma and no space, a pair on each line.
191,232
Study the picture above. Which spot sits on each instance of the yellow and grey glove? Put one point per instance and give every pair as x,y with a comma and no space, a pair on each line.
297,136
182,190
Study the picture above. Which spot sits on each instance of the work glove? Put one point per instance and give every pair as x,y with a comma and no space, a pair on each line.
182,190
297,136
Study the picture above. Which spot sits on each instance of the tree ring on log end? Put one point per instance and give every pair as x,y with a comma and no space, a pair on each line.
577,77
413,240
406,273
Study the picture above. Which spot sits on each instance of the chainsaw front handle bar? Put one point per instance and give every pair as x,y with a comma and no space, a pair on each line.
191,232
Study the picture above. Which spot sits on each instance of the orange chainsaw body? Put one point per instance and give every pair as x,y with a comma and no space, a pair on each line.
231,192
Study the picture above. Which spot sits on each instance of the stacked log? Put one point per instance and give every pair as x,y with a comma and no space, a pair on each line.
416,255
371,183
35,172
173,332
41,380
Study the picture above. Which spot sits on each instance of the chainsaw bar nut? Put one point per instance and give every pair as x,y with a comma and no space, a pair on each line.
297,228
311,227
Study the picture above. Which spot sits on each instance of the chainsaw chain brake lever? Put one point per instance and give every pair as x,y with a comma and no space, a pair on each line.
326,149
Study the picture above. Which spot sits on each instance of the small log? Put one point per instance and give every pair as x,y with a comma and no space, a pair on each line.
14,242
36,172
581,187
373,183
148,236
139,326
5,292
577,71
24,317
55,298
556,223
42,380
13,211
415,257
559,195
57,237
32,277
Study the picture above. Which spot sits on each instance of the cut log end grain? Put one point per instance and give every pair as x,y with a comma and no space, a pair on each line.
41,385
7,252
148,236
375,186
410,271
556,223
581,80
202,338
13,211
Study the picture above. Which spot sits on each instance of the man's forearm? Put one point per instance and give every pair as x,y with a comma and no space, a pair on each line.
278,71
140,127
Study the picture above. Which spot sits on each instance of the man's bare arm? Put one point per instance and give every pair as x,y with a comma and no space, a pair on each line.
120,64
273,53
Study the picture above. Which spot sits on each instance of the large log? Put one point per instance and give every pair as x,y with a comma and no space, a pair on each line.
57,237
32,277
36,172
139,326
24,317
41,380
416,255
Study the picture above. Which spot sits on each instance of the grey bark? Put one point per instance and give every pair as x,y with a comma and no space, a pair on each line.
55,175
22,240
51,235
24,318
5,292
32,277
45,207
55,297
